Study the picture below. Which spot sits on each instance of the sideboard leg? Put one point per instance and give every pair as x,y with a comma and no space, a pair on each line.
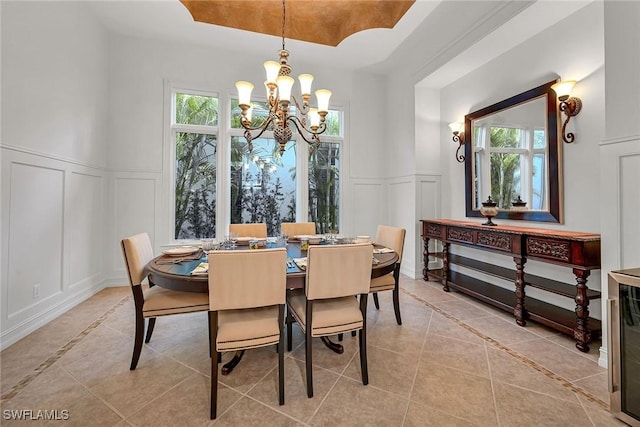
519,310
425,259
581,333
445,266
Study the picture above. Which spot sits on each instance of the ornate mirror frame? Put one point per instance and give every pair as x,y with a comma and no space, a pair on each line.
554,214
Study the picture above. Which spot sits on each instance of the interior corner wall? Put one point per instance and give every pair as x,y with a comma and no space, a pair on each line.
619,202
53,150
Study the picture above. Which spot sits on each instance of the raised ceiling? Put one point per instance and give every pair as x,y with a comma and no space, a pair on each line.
325,22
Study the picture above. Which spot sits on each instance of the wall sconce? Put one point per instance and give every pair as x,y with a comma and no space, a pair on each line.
570,105
458,136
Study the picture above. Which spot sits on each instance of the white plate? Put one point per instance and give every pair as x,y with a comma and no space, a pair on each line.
182,251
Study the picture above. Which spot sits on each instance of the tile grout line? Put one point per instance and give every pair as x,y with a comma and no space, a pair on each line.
25,381
493,389
415,375
563,381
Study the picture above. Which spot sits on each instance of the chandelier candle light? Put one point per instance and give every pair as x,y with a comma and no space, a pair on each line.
311,122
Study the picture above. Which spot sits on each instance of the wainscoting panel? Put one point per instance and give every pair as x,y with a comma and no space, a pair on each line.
630,211
86,200
35,236
429,189
619,205
53,227
400,212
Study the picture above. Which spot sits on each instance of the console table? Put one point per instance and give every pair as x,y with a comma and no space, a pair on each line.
576,250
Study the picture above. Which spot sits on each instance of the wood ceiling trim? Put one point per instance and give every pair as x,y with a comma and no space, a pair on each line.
326,22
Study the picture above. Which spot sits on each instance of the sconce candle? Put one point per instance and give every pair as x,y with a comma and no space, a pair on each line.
570,105
458,136
489,209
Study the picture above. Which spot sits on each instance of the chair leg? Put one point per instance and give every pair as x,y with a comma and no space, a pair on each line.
375,301
281,355
340,337
363,340
213,332
396,295
308,349
139,337
396,305
150,326
289,331
211,348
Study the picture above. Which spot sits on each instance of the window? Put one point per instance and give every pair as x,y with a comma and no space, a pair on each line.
217,181
264,182
324,177
195,135
511,162
263,186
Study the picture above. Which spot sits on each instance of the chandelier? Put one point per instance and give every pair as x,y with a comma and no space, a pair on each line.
310,122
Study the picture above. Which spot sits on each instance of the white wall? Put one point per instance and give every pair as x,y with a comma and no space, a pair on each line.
139,152
54,149
619,204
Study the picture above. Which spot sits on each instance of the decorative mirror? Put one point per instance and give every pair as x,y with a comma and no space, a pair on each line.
513,155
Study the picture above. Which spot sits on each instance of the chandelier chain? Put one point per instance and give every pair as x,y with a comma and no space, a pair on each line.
283,22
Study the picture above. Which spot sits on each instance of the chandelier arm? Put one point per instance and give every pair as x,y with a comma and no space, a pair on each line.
302,130
301,127
262,128
305,107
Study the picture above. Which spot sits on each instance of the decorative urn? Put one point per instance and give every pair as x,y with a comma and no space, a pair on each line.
489,209
519,204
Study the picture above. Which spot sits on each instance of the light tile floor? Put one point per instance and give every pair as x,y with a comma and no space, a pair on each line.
453,362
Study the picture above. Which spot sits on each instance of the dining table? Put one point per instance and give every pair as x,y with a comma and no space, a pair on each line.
175,272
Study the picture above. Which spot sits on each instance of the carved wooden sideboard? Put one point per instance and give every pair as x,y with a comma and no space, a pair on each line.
579,251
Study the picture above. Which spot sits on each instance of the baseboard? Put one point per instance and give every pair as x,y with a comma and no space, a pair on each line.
603,361
15,334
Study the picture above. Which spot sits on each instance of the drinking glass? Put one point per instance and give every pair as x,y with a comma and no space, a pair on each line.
208,245
233,237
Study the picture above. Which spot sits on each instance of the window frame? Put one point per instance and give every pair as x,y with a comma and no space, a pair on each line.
482,151
170,152
224,132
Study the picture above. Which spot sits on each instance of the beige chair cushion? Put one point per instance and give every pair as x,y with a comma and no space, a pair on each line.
330,316
338,271
298,228
160,302
391,237
383,283
249,230
242,329
137,251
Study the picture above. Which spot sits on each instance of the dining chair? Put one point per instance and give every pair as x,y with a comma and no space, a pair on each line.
335,276
155,301
298,228
258,229
246,306
393,238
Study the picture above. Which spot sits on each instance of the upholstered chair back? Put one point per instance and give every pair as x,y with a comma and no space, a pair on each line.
249,230
338,271
247,278
137,252
298,228
391,237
